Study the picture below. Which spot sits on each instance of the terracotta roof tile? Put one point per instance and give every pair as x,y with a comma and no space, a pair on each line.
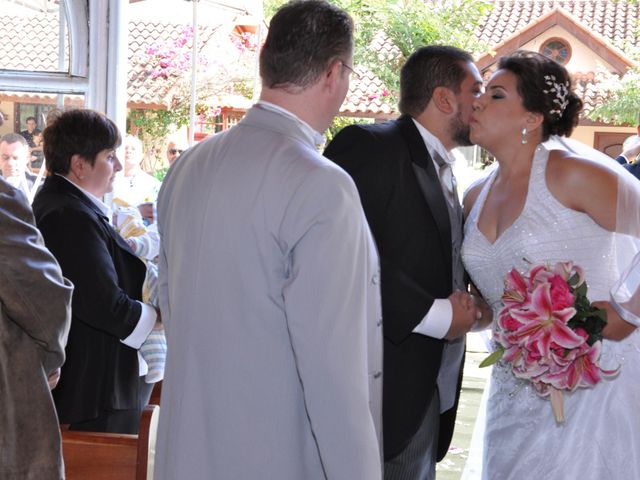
617,21
586,87
38,36
30,43
366,97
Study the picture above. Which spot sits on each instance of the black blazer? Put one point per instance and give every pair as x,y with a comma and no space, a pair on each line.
413,234
633,168
100,371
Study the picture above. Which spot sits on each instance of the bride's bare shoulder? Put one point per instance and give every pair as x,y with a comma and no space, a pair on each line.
583,185
567,171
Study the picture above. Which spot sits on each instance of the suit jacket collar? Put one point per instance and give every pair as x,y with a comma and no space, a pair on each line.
427,178
58,184
417,149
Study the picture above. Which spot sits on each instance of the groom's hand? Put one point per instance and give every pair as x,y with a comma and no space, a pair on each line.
465,314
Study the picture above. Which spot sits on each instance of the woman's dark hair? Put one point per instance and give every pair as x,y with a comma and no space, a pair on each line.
546,88
82,132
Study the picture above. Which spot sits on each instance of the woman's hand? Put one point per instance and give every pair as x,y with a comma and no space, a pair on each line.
487,313
617,328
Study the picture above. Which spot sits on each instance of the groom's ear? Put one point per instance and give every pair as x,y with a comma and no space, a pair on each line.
444,100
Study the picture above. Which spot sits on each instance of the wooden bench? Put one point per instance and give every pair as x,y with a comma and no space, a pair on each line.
112,456
156,393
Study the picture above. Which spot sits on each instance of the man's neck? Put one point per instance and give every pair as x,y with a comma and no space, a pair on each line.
438,127
301,104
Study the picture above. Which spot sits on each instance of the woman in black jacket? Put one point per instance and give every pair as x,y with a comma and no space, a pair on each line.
100,387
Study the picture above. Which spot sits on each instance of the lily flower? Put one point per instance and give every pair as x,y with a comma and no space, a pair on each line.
544,325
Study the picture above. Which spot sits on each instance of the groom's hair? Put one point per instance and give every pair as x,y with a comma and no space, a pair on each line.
304,39
426,69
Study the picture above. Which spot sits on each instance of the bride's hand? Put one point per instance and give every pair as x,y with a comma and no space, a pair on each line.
487,314
616,328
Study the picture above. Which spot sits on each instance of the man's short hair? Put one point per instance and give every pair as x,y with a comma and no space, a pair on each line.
428,68
30,118
14,138
82,132
305,38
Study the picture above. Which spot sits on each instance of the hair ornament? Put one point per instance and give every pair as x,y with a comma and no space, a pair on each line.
560,91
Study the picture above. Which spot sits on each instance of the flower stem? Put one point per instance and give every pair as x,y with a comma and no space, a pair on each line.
557,403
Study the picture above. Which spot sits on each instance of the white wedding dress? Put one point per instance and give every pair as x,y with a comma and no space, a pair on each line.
601,436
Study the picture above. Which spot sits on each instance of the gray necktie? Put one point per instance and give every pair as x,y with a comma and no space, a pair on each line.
447,179
453,350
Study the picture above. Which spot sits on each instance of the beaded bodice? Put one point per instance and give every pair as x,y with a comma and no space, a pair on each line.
545,232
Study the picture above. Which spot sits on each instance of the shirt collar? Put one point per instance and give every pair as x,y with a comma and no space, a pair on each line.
317,138
103,207
433,144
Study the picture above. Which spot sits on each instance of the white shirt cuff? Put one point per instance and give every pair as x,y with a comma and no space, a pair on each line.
147,320
437,321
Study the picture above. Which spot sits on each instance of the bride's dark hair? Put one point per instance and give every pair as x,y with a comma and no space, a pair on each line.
541,84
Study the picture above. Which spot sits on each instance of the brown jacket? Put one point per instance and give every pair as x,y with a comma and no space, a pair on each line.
35,314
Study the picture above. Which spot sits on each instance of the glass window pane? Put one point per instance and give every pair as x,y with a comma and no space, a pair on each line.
20,109
33,37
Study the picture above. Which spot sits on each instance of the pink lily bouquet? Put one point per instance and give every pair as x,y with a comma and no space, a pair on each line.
549,332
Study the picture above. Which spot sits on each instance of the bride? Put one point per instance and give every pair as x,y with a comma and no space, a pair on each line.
547,205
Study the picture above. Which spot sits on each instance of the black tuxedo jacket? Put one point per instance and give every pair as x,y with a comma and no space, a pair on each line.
100,371
634,168
413,234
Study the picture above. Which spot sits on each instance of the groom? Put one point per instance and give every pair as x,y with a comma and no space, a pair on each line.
402,169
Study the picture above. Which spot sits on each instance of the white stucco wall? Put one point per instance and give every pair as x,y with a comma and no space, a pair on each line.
582,58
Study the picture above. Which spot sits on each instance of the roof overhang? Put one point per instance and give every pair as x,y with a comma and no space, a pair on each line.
561,18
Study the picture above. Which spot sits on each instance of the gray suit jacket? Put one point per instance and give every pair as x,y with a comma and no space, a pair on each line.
269,293
35,314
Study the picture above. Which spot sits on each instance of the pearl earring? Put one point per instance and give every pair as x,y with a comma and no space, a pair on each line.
524,136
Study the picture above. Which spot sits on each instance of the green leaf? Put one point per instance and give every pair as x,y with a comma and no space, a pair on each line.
574,279
601,313
492,358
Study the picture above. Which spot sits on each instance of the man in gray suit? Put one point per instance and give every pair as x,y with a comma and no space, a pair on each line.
269,282
35,314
